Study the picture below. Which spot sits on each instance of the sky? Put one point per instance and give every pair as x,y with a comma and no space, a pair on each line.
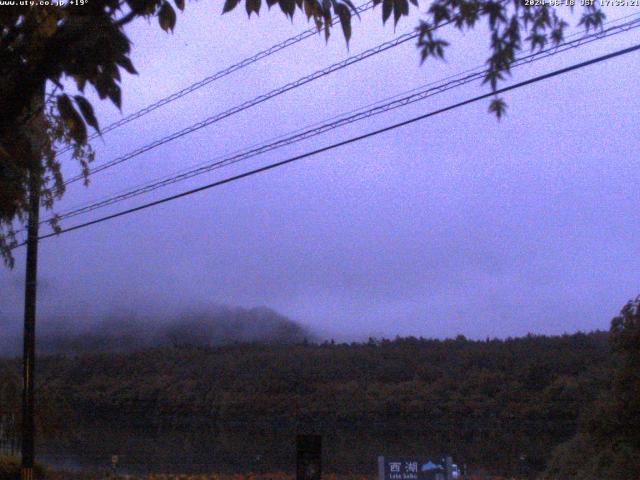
458,224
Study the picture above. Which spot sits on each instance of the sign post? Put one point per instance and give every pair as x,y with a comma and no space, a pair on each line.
309,457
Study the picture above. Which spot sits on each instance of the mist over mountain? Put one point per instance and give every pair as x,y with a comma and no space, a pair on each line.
218,325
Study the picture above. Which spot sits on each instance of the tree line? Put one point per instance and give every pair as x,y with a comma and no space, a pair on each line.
497,405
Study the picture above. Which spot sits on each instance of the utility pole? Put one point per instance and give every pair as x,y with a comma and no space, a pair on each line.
29,347
36,135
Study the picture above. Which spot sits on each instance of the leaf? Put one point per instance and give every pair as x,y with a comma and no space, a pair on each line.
72,119
112,70
102,84
429,45
115,94
345,20
65,107
310,9
252,6
557,35
167,17
353,8
538,39
496,13
403,7
230,5
288,7
87,112
326,8
327,24
592,19
387,6
498,106
125,63
439,13
396,14
54,223
80,82
179,4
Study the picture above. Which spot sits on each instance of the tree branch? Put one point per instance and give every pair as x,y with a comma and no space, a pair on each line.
127,18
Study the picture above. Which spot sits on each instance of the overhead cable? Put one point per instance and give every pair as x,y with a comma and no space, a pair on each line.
416,95
216,76
358,138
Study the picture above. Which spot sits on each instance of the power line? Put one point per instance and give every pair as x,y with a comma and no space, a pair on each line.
416,95
555,49
218,75
420,95
348,141
255,101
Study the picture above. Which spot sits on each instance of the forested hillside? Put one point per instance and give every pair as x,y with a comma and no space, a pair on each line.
500,405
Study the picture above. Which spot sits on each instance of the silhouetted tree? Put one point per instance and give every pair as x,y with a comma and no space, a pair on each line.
607,444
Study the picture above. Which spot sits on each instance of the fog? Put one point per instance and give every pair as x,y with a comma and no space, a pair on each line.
127,332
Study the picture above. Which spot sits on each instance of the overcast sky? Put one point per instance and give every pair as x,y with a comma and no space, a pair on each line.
456,224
